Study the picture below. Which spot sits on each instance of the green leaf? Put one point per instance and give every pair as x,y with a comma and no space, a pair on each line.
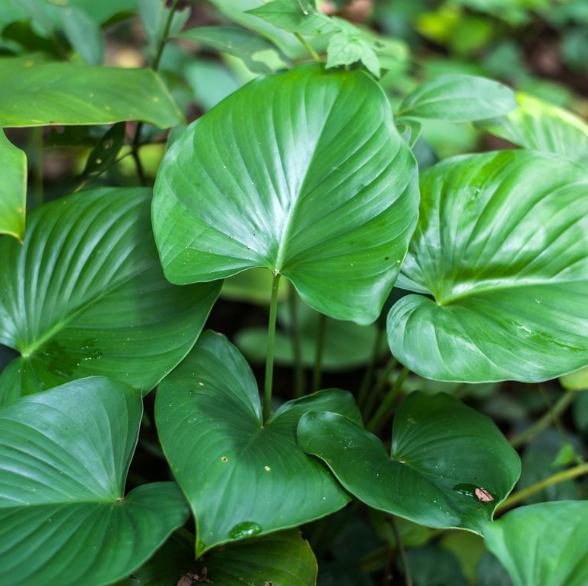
432,565
490,572
64,457
210,81
106,151
442,451
281,558
575,381
500,246
291,16
39,94
238,42
543,127
233,468
302,173
543,544
346,49
13,188
458,98
154,16
95,300
83,33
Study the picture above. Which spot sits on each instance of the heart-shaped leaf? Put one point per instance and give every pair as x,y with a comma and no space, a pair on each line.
450,465
33,93
13,188
302,173
85,294
501,246
282,558
233,468
543,127
458,98
543,544
64,457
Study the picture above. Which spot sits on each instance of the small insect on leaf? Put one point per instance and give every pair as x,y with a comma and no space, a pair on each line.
483,495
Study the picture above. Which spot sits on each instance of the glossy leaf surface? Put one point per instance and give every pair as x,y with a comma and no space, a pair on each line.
281,558
501,246
442,451
13,188
543,544
302,173
233,468
39,94
85,294
64,457
543,127
458,98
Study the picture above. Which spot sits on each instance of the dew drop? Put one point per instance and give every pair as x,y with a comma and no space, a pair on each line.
245,529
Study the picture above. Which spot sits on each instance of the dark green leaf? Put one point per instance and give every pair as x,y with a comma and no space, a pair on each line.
233,468
543,544
490,572
64,457
13,188
500,245
38,94
83,33
442,452
238,42
458,98
302,173
432,565
106,151
95,300
543,127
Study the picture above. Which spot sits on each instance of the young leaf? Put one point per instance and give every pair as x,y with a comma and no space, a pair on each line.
501,247
280,558
543,544
302,173
64,457
443,454
234,468
38,94
106,151
294,17
83,33
13,188
95,300
543,127
458,98
238,42
345,49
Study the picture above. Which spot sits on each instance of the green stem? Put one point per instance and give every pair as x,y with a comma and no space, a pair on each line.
318,358
309,48
556,410
37,144
376,421
401,550
271,334
521,495
296,346
376,392
369,373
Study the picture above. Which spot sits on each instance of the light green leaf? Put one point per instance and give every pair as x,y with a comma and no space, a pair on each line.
64,457
442,453
501,247
543,127
302,173
575,381
13,188
233,468
458,98
38,94
543,544
85,295
281,558
83,33
292,17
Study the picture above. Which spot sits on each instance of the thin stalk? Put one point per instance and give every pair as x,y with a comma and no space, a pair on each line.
376,421
557,409
369,373
155,66
376,392
521,495
309,48
271,334
37,145
318,357
401,550
554,416
296,346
